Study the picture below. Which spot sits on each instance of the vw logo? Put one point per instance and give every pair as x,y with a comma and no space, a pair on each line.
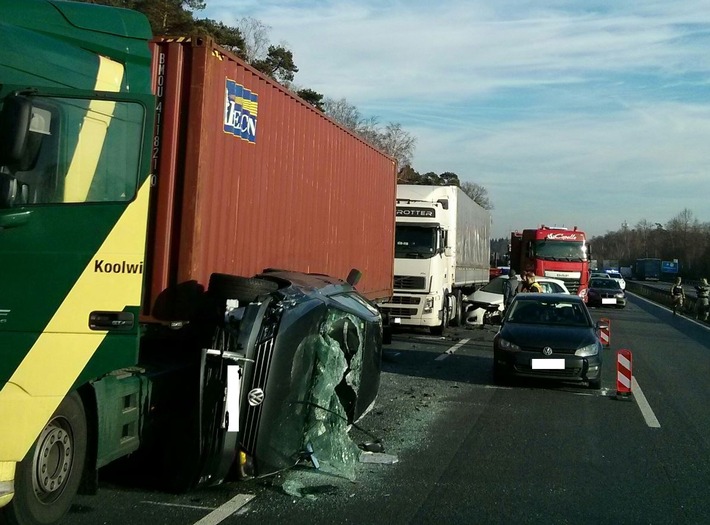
255,397
547,350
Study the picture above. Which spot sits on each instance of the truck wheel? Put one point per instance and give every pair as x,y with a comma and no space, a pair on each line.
441,329
457,316
47,480
245,289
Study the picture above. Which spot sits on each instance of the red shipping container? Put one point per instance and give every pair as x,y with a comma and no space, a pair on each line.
249,176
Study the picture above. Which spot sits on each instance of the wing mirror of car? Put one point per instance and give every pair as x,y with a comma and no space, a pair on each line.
601,326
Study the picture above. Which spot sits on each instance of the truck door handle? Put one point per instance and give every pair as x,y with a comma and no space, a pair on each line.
13,218
111,320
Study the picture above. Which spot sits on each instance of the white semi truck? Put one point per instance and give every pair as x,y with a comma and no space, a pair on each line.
442,252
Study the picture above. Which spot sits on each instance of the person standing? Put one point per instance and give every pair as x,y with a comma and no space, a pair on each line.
703,290
510,289
530,284
677,295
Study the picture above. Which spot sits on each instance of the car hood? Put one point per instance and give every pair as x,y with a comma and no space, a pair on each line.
559,338
486,297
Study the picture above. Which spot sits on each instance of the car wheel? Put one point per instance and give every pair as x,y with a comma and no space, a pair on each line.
596,384
499,375
387,335
244,289
47,480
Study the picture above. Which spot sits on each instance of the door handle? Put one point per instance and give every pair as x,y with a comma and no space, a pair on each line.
111,320
14,218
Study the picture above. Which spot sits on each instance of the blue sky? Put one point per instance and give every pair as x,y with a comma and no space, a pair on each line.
570,113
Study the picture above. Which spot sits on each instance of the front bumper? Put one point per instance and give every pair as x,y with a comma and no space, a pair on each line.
520,364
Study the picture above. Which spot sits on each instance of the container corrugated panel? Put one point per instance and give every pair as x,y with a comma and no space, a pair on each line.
249,176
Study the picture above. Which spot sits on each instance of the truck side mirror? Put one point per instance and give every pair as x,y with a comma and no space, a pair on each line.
15,118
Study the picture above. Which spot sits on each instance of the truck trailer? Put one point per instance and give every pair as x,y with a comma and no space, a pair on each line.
175,230
442,252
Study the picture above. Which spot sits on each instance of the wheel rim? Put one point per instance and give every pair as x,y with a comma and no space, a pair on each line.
53,460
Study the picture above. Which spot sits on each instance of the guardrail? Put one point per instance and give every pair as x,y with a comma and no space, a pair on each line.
661,296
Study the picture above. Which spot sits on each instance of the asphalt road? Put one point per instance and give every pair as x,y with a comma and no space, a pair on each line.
470,452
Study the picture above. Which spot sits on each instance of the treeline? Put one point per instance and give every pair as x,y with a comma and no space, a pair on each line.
683,238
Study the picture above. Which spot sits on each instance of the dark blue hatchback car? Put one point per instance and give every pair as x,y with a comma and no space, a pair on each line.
548,336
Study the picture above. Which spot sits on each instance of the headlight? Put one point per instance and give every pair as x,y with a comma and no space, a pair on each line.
587,351
428,305
504,344
619,295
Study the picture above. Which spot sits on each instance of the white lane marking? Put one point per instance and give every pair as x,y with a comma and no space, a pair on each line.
642,403
224,511
177,505
452,350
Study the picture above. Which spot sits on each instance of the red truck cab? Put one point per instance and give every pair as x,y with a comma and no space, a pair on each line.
561,253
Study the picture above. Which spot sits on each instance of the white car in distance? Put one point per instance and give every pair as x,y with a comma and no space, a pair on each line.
613,274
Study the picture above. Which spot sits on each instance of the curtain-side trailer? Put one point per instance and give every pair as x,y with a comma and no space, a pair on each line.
442,252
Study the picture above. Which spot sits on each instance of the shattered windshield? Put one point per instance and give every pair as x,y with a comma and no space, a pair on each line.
333,391
415,242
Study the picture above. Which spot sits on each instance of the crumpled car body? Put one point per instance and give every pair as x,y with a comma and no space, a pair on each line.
313,350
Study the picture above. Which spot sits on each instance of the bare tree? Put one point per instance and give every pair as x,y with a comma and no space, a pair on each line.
478,193
256,38
397,143
342,112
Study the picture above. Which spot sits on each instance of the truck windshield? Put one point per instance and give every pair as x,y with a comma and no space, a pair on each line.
560,250
415,242
80,150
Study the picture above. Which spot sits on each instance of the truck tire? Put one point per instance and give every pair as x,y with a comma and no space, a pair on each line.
457,315
245,289
441,329
47,480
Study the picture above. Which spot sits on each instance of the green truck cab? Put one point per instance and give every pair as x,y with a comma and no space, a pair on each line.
76,124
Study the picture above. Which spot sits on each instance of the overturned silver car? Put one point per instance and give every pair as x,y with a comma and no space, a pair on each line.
308,352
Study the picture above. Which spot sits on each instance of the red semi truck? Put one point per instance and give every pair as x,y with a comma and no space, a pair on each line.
170,219
560,253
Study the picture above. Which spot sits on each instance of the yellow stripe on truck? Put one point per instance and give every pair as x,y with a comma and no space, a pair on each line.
65,347
82,168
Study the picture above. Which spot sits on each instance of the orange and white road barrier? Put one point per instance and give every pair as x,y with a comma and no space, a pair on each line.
623,373
605,332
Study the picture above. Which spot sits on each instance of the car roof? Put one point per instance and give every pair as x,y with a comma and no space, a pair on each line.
570,298
537,278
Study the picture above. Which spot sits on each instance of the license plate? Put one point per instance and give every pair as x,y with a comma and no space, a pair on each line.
608,301
548,364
